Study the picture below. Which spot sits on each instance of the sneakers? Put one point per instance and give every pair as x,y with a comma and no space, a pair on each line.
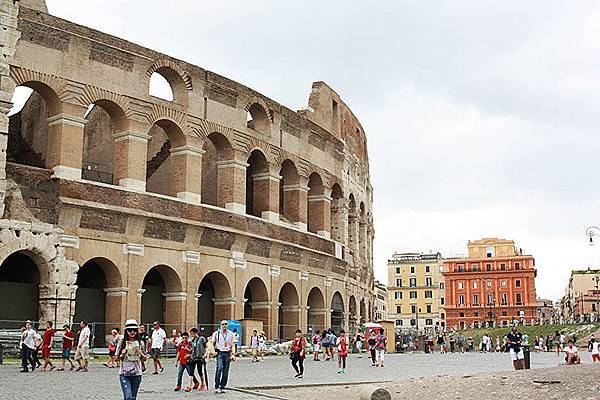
339,371
60,369
217,390
202,388
300,376
162,369
196,385
188,389
177,388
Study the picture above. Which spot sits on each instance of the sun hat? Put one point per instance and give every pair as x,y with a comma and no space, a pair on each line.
131,324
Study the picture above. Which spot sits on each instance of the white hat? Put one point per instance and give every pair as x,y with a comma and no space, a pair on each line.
131,323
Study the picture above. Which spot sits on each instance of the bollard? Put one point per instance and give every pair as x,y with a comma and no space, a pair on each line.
371,392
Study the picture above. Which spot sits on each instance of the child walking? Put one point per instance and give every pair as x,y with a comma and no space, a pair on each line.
381,343
342,347
184,351
298,354
316,340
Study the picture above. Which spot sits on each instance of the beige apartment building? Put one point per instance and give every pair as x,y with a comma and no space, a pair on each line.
582,297
416,291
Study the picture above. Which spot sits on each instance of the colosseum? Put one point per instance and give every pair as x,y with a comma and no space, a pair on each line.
217,203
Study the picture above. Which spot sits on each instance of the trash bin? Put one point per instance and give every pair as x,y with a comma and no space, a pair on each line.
527,356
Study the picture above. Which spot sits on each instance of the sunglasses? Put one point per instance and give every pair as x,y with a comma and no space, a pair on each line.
131,330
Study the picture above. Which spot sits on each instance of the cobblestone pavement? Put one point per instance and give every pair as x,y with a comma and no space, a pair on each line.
102,383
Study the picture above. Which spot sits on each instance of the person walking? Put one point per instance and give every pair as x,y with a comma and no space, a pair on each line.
316,341
112,344
342,348
298,354
461,342
224,345
131,354
47,345
262,345
157,343
595,350
143,338
82,353
441,341
35,360
515,342
452,341
67,344
184,352
325,342
254,342
358,341
381,343
27,346
197,360
372,347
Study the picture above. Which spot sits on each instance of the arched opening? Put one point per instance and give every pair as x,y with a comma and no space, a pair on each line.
159,282
337,214
315,194
337,312
214,301
257,118
316,310
160,87
91,301
19,290
217,149
165,135
104,120
256,302
289,311
34,103
256,200
288,192
352,224
363,312
352,316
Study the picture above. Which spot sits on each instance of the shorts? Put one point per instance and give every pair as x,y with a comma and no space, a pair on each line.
595,357
254,352
66,354
192,366
516,355
326,345
111,353
45,351
359,345
317,348
155,353
82,353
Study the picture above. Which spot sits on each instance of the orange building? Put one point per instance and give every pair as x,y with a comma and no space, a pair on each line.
493,285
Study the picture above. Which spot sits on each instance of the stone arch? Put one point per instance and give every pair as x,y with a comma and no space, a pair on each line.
20,278
288,192
257,201
352,313
259,116
51,88
316,190
165,136
256,302
215,301
217,150
363,312
337,312
316,317
289,311
179,80
162,296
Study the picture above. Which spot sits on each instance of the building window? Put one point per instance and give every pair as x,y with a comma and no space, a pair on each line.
474,267
518,298
442,285
443,316
518,283
413,309
490,299
476,314
398,282
593,306
428,281
413,282
427,268
502,266
502,283
428,308
489,283
412,270
397,270
460,285
398,309
413,294
461,315
413,322
504,313
461,267
475,285
429,294
442,301
428,321
488,267
398,295
461,300
503,299
489,252
399,322
475,299
517,265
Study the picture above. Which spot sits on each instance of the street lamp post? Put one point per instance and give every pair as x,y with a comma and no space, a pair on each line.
591,232
597,280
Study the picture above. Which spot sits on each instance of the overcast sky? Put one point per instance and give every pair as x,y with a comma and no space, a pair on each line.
481,116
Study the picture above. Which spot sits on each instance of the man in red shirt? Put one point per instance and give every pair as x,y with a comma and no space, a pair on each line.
47,345
68,338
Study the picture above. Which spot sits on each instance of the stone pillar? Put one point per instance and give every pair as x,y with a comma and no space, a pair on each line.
130,164
65,142
9,34
296,203
57,303
266,193
175,309
362,239
231,184
320,213
353,232
339,219
116,305
224,308
186,173
138,313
